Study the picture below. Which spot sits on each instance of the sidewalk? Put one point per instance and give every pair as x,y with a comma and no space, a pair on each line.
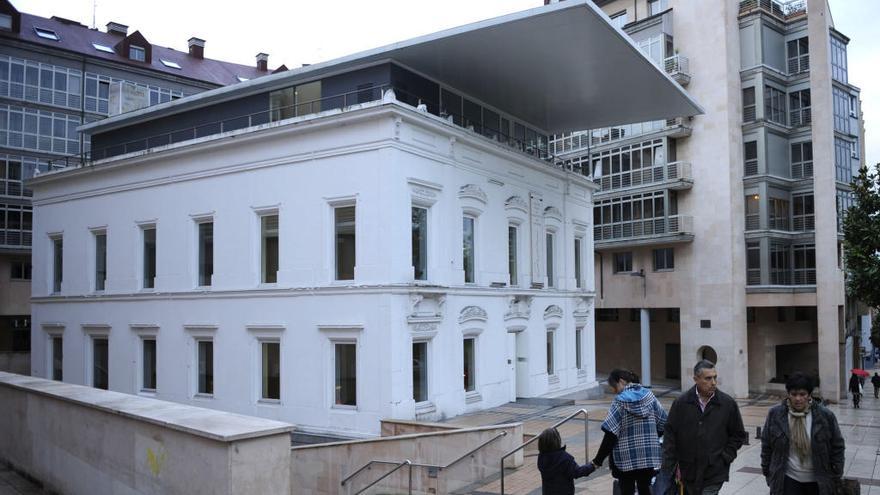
860,428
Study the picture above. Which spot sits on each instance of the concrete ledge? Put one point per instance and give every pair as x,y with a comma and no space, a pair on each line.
207,423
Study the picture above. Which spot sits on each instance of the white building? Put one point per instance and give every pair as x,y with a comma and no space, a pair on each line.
377,236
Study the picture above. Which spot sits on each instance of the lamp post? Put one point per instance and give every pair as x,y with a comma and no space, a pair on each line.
645,331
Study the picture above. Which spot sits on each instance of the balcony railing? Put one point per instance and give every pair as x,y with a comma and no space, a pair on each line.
15,238
753,276
678,68
803,223
799,64
583,140
343,102
781,9
796,276
801,117
659,174
651,227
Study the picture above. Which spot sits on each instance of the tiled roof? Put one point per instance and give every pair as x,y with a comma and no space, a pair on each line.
75,37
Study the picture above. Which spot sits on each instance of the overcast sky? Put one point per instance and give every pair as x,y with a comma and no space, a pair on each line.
298,32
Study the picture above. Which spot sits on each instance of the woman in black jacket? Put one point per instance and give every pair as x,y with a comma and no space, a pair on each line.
558,467
802,450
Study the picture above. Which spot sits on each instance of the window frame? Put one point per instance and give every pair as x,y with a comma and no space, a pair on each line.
668,259
143,255
624,257
137,49
56,274
550,257
473,372
199,253
335,377
425,367
99,285
333,252
264,234
473,248
424,246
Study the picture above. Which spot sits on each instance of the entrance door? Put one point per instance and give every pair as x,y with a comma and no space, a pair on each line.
673,361
522,365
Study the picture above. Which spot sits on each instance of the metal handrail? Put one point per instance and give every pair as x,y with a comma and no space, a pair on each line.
406,462
561,422
419,465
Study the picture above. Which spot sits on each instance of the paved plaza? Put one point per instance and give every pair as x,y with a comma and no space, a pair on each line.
860,428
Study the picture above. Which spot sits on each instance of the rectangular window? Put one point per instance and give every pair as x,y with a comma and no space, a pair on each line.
838,60
623,262
57,265
664,259
468,248
100,260
57,358
18,270
750,154
346,374
843,170
269,249
800,108
840,108
802,160
550,363
149,250
657,6
512,238
420,371
271,370
578,359
100,363
804,272
778,209
345,242
206,367
578,242
551,282
419,225
774,105
753,213
798,55
749,106
206,253
780,255
803,212
470,382
137,53
149,364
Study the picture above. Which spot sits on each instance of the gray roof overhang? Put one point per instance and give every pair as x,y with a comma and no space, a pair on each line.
560,67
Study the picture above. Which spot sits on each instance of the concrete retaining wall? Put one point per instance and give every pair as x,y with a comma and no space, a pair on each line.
16,362
81,440
394,427
320,469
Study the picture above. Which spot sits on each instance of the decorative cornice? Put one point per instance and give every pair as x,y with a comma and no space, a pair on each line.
473,191
516,203
553,311
472,313
518,307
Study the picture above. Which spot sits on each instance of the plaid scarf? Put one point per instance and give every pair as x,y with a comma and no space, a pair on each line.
797,425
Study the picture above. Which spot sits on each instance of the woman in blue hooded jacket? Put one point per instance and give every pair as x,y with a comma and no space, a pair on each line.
632,429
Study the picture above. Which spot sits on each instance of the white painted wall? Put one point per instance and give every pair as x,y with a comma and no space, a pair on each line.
383,158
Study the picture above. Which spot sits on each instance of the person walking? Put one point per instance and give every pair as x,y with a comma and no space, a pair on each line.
703,432
855,388
802,450
632,429
558,468
875,380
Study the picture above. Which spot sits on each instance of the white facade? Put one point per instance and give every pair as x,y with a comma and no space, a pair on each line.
382,158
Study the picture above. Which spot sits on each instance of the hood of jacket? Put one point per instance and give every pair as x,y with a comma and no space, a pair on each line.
637,400
550,462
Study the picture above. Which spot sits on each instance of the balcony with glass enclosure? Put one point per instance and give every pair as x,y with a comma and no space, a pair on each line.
784,10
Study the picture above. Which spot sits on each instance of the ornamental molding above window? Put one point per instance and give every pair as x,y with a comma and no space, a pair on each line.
518,307
553,311
473,191
582,312
470,313
516,203
553,212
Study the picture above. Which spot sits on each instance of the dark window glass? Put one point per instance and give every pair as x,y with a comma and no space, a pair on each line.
269,248
149,258
345,242
206,367
206,253
149,364
550,363
468,248
577,264
271,370
57,358
58,268
346,374
551,282
511,254
100,363
100,260
420,242
470,383
420,371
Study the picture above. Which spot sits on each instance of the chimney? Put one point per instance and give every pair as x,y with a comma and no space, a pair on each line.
117,29
263,61
196,48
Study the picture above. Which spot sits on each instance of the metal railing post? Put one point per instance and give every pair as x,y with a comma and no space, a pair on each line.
409,490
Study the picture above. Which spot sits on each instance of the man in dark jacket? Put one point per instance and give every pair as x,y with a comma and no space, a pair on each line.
875,380
802,450
703,432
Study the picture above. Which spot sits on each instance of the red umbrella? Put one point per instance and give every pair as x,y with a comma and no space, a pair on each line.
860,372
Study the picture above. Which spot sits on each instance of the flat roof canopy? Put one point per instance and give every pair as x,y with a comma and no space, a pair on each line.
561,67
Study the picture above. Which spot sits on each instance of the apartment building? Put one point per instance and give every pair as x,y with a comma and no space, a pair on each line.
379,236
57,74
719,236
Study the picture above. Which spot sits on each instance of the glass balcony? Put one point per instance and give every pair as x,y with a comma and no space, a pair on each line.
676,175
781,9
675,228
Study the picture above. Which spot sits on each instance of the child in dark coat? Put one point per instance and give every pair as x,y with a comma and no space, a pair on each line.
558,467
